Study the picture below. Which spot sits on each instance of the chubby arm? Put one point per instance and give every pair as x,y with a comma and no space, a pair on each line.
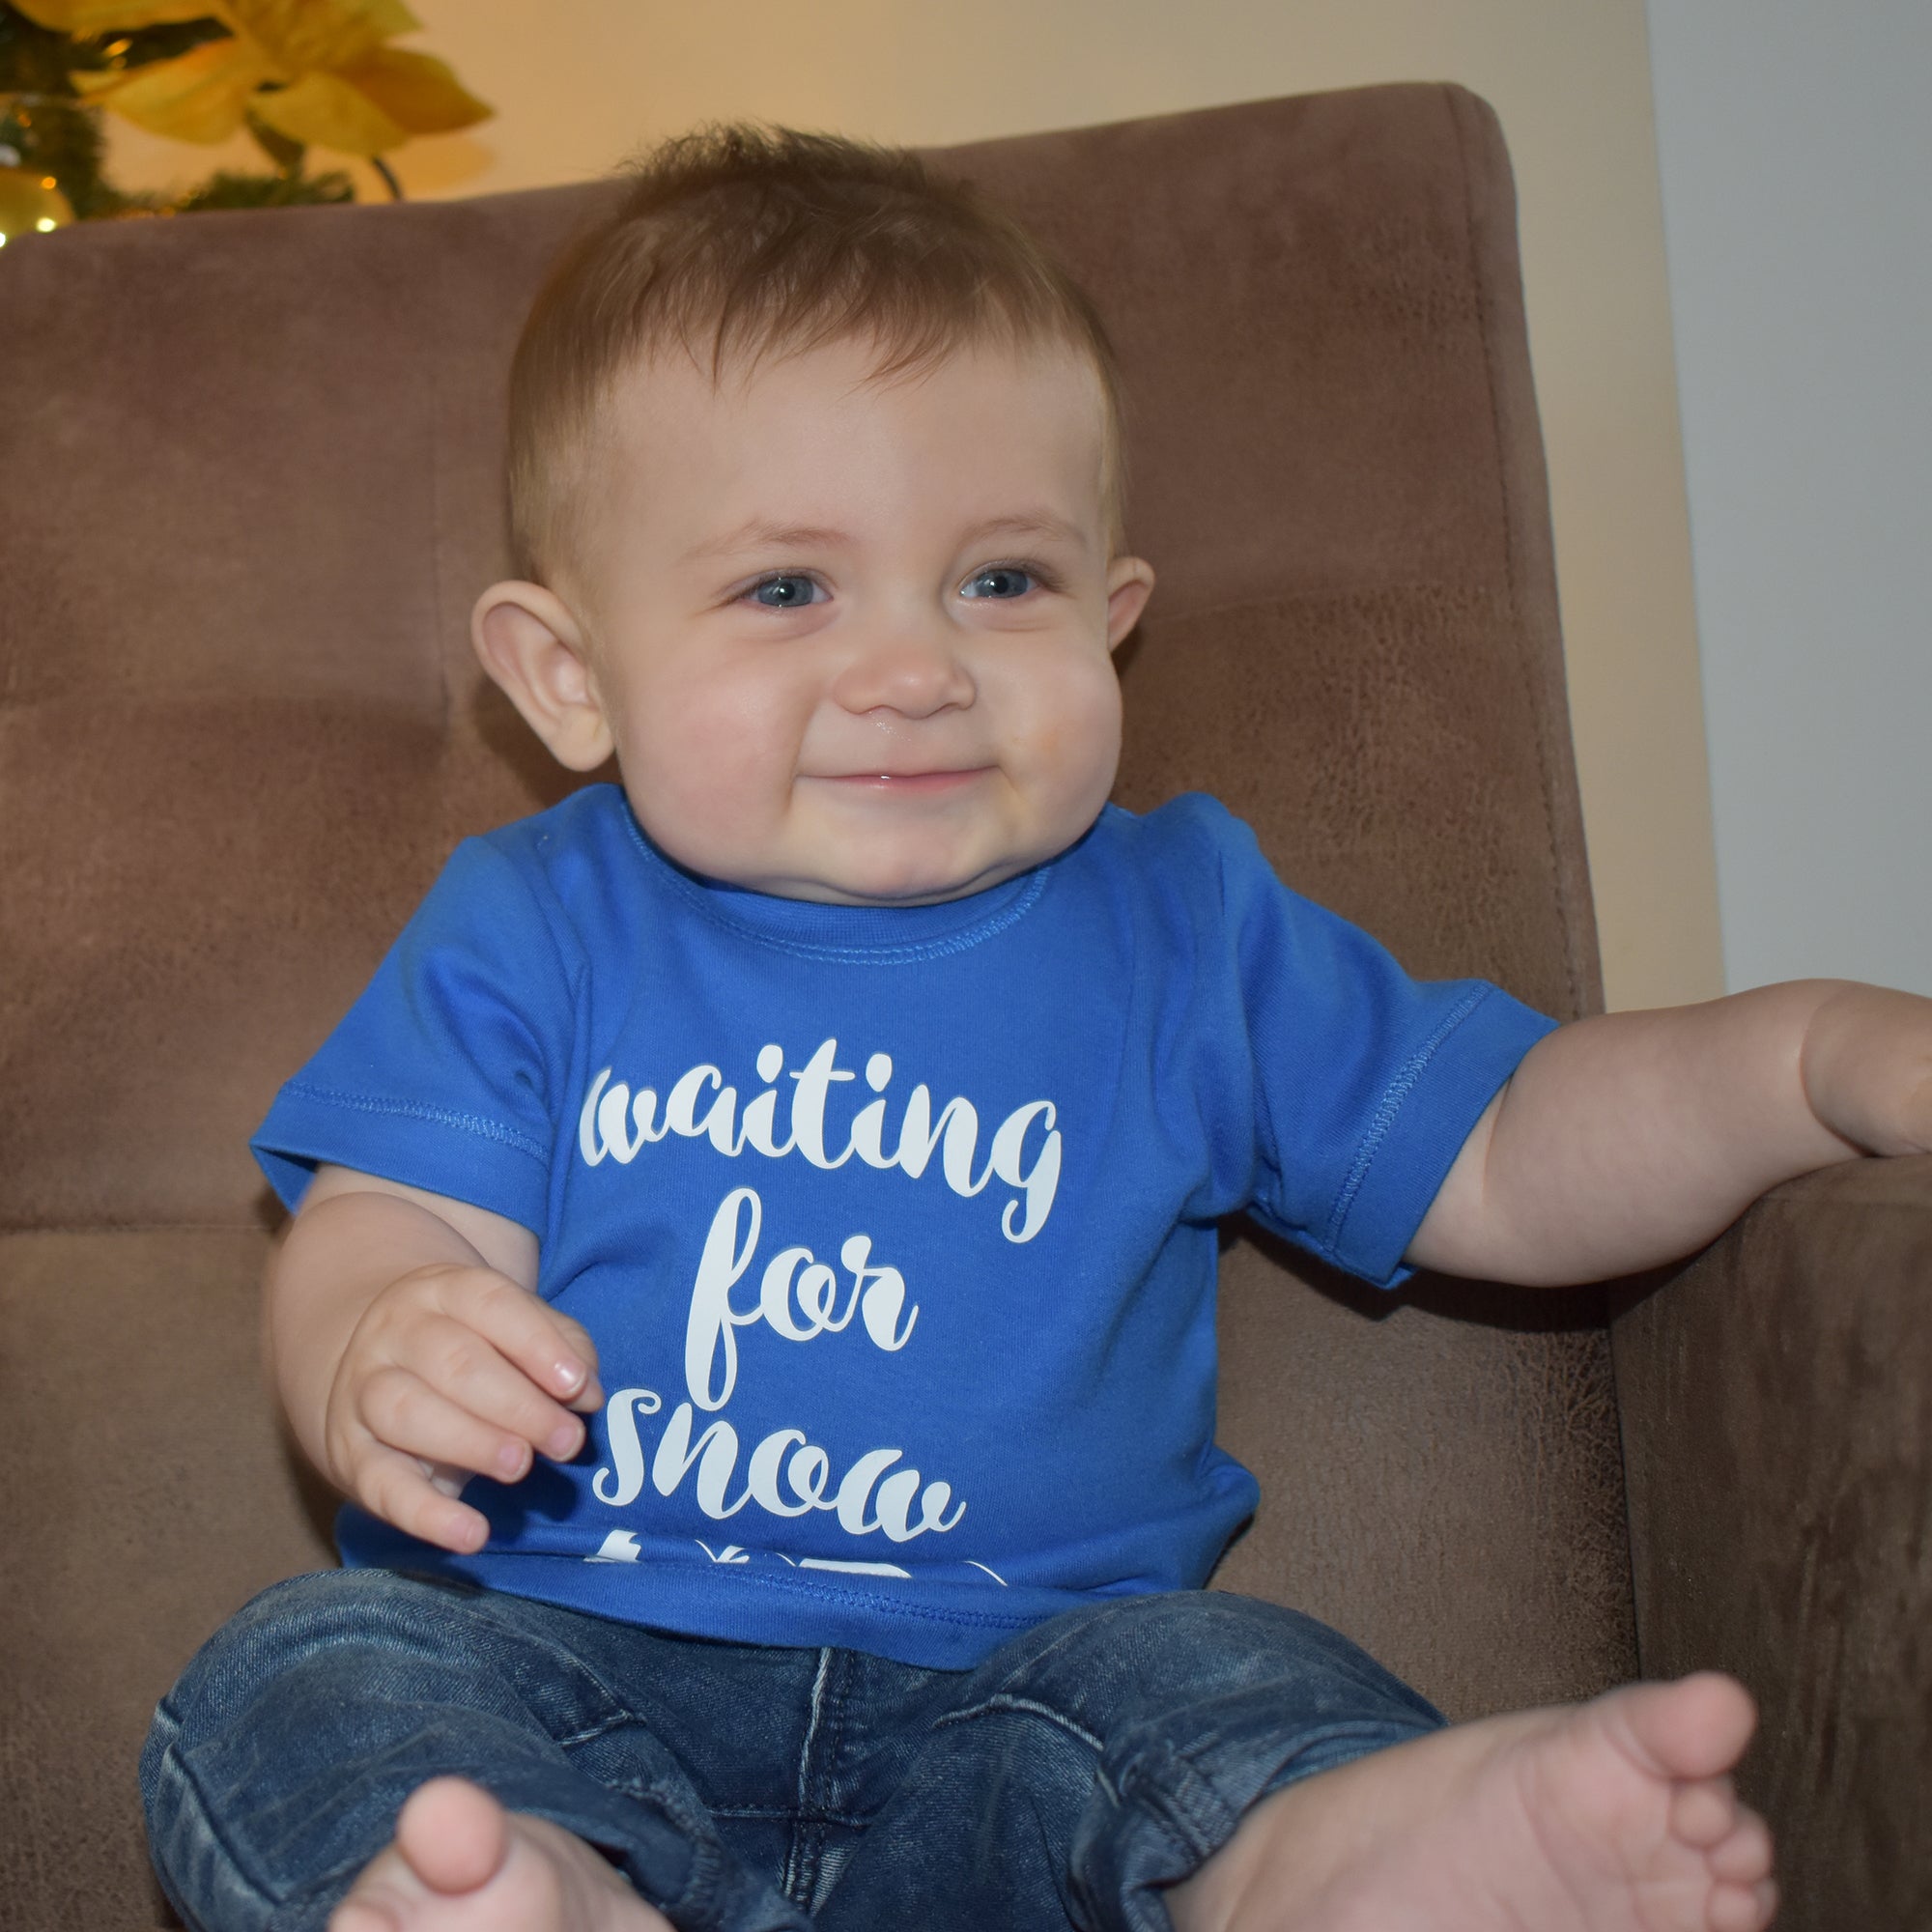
409,1351
1631,1139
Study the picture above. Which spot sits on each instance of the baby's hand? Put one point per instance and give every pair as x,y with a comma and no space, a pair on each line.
1866,1065
450,1371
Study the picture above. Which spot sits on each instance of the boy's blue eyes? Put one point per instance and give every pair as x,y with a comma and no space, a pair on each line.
798,592
1008,573
791,589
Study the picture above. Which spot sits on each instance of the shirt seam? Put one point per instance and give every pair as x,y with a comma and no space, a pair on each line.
1394,1097
819,1593
865,1600
530,875
478,1125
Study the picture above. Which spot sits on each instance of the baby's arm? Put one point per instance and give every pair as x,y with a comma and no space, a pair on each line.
409,1351
1631,1139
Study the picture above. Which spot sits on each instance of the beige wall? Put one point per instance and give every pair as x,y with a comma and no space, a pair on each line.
579,82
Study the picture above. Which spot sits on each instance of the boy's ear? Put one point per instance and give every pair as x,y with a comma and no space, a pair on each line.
533,647
1129,585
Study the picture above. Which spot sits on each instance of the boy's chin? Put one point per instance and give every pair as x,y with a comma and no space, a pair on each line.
877,866
892,890
901,881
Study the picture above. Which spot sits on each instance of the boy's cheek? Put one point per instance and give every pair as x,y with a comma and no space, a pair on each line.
718,736
1072,734
691,789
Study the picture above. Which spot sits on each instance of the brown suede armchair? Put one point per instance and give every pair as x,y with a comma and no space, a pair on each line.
252,487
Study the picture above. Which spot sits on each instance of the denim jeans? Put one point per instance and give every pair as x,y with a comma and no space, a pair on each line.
1085,1765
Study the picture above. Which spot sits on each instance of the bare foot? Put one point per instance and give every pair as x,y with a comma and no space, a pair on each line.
462,1863
1612,1816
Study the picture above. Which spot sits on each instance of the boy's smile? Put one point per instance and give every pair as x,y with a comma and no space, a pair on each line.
850,639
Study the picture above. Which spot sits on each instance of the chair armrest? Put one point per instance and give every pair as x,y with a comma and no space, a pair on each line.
1776,1408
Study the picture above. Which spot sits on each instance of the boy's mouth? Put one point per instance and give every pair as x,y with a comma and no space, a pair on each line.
919,784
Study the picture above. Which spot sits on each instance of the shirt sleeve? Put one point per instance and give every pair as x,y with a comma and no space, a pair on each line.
445,1072
1366,1081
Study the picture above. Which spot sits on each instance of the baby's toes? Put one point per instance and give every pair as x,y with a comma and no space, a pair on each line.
1745,1856
454,1835
1704,1812
1741,1908
381,1899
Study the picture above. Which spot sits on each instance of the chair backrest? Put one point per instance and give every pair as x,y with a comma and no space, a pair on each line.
254,487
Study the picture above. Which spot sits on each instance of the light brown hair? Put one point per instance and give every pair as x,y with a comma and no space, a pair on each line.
764,240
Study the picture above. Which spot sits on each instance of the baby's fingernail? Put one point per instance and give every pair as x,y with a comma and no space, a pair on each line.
562,1440
510,1459
569,1376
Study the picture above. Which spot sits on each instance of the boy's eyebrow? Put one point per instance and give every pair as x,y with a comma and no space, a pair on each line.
760,534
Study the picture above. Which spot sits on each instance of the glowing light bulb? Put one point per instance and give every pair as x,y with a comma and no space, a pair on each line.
31,204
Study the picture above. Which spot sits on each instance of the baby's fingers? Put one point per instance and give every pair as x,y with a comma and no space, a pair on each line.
401,1411
550,1349
460,1371
396,1487
590,1397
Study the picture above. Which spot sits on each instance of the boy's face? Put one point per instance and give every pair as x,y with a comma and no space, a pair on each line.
851,640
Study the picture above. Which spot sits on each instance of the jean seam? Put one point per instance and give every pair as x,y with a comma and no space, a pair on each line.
270,1904
702,1898
768,1813
801,1841
565,1662
191,1791
826,1783
821,1682
1165,1803
1189,1808
491,1617
619,1721
1327,1734
1004,1702
1080,1630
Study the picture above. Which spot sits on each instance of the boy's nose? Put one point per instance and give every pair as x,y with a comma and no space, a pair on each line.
909,670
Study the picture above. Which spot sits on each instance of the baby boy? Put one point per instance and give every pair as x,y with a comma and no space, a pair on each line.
755,1261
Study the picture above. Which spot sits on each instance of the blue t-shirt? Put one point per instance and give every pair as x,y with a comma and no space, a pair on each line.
895,1227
